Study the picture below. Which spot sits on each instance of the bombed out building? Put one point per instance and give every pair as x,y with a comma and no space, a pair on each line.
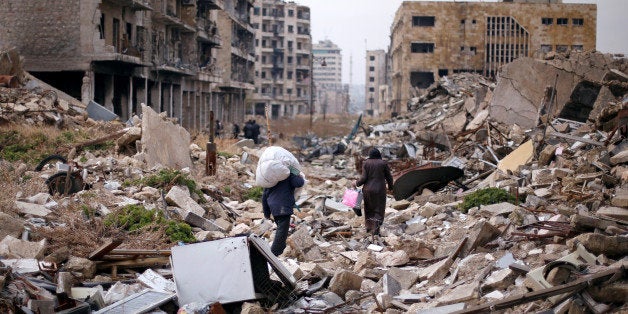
430,40
182,57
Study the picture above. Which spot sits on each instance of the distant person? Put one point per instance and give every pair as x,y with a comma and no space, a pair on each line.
217,128
256,132
236,130
279,201
248,130
375,175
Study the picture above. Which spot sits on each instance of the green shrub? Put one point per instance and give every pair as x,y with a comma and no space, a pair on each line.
225,154
254,193
137,217
486,197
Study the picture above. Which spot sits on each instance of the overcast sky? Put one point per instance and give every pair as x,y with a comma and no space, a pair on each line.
357,25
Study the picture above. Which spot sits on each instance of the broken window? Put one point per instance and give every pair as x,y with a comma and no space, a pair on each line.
473,49
546,48
101,27
372,58
263,43
547,21
289,91
562,48
264,11
423,21
473,21
577,22
263,59
371,89
577,47
443,72
290,13
462,21
371,79
461,48
422,48
116,35
263,74
562,21
421,79
371,69
256,11
289,74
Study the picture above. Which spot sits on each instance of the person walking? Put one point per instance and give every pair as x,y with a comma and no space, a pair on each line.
256,132
279,201
236,130
375,175
248,130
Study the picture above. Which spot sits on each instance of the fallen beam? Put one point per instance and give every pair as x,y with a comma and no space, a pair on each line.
104,249
576,138
573,287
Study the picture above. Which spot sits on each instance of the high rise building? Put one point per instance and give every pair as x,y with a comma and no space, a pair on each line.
331,94
283,52
433,39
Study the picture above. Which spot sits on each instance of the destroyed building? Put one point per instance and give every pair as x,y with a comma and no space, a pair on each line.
430,40
283,54
181,57
330,95
377,84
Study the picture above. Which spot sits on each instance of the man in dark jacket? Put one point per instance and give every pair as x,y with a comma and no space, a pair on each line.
256,132
279,201
375,175
248,130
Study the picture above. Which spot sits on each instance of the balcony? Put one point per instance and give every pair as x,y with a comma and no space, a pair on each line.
170,19
135,5
304,16
212,4
207,31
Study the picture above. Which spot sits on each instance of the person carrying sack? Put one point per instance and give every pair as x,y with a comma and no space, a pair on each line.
375,175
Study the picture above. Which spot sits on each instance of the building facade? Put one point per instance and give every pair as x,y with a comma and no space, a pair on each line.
283,52
331,94
376,84
433,39
169,54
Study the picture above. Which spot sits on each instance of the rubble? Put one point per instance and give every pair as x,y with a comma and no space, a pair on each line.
561,232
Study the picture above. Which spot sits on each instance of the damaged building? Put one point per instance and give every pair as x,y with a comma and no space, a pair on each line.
283,47
173,55
430,40
331,96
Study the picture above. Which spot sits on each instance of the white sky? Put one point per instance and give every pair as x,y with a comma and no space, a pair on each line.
358,25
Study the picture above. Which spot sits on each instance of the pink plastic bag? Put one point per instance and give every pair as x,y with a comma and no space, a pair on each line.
352,198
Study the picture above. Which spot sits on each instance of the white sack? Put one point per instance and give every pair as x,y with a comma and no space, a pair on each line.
272,166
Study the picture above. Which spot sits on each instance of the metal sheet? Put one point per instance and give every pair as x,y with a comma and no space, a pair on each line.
98,112
140,302
215,271
283,273
417,179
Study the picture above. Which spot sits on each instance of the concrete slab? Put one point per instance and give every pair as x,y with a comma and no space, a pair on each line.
444,309
11,247
180,196
460,293
520,156
163,142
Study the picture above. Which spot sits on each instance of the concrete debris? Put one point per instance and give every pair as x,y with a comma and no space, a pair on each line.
564,212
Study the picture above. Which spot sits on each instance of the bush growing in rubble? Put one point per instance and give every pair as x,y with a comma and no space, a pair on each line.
486,197
137,217
166,179
254,193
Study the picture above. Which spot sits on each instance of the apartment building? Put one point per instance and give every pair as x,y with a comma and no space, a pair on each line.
170,54
283,53
376,85
433,39
331,94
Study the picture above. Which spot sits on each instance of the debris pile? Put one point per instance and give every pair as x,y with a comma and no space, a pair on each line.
537,222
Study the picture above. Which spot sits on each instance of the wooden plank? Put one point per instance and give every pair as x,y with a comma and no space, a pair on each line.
140,262
572,287
105,248
139,252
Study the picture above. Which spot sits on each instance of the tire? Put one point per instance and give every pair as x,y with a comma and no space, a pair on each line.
48,159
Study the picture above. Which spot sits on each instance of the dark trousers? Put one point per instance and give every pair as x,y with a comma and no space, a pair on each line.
281,234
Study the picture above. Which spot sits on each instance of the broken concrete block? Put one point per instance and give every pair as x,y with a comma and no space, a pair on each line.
180,196
365,260
10,226
436,271
482,233
406,278
344,281
384,300
84,267
198,221
614,212
546,155
239,230
11,247
301,239
620,158
58,256
163,142
446,309
32,209
400,204
396,258
520,156
503,208
415,249
391,286
461,293
249,143
429,209
621,198
252,308
598,243
499,280
478,120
